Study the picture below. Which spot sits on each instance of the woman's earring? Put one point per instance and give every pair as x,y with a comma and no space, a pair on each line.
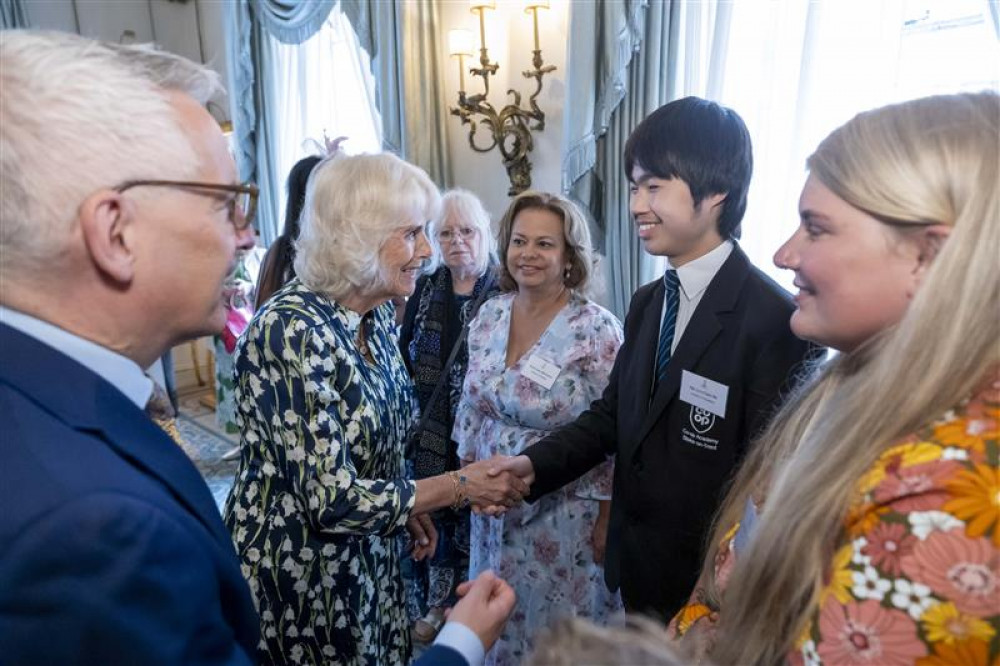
567,272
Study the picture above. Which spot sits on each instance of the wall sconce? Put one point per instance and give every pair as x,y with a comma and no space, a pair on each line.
509,128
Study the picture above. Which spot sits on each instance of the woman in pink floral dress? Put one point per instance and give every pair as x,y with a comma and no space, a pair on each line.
865,527
538,355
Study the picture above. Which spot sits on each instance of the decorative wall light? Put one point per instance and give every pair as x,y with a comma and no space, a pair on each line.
510,128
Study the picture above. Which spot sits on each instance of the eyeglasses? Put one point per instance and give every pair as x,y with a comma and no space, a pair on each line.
465,233
244,197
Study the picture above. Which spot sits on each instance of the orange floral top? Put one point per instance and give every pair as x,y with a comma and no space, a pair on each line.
916,576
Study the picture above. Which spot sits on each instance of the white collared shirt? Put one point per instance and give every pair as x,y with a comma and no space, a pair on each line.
694,278
463,640
121,372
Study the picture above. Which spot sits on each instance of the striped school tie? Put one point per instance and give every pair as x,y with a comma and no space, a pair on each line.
672,284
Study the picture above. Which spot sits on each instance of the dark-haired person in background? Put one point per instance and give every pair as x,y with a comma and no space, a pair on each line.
706,355
277,268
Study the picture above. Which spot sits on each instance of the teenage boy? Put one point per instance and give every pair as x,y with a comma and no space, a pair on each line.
707,353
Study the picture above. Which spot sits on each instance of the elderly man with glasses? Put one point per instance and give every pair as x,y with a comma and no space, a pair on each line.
120,217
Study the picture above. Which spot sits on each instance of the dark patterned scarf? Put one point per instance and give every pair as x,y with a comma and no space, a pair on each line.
436,326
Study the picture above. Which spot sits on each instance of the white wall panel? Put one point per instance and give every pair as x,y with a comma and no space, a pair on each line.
175,27
52,15
109,19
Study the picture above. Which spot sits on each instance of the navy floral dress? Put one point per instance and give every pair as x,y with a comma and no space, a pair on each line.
321,498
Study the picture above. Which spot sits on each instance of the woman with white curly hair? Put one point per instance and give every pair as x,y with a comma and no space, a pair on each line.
324,404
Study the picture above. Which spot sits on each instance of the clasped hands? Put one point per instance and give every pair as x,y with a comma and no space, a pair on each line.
497,484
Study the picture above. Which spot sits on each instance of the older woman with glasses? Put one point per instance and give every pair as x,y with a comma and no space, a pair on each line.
461,275
324,405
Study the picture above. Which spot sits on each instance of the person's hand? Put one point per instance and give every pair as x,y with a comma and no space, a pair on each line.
519,466
485,605
423,536
499,490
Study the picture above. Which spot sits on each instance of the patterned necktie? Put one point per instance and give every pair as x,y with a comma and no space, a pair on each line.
667,328
160,409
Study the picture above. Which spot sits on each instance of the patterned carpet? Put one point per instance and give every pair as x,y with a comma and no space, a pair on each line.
206,446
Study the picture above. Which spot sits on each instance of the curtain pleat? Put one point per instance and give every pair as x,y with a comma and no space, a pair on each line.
603,188
292,21
13,14
402,40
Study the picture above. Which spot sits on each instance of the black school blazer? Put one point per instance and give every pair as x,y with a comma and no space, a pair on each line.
673,462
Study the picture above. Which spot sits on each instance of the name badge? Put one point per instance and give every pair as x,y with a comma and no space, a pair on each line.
542,372
704,393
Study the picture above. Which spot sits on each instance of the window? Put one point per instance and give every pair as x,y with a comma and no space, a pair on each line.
797,70
326,87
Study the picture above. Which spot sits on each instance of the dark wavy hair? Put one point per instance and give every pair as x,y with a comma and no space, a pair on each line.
278,266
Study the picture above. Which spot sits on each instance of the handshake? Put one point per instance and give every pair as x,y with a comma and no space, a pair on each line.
495,485
490,487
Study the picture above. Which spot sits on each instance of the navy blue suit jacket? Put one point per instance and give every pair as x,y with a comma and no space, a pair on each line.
673,465
112,550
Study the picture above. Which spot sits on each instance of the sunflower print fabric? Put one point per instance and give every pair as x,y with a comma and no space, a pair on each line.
915,578
320,496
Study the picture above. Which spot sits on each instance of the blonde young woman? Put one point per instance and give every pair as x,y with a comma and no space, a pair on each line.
865,528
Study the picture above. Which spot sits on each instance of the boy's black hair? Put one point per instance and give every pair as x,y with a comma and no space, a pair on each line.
702,143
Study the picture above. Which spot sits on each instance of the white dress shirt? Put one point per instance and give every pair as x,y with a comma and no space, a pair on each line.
460,638
121,372
694,278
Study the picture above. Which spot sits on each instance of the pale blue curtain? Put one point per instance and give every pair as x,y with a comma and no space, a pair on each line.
426,117
632,72
13,14
402,39
646,55
378,24
292,21
252,93
605,36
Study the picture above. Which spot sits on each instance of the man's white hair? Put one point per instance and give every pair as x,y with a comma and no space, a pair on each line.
78,115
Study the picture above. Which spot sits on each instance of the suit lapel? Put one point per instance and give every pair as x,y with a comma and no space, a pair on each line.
720,297
646,343
86,402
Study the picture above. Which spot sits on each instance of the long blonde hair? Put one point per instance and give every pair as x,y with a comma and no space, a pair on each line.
927,161
573,641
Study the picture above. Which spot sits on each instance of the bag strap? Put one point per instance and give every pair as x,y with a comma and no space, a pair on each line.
451,360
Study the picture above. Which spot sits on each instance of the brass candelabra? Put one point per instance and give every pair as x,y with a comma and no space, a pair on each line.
510,128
